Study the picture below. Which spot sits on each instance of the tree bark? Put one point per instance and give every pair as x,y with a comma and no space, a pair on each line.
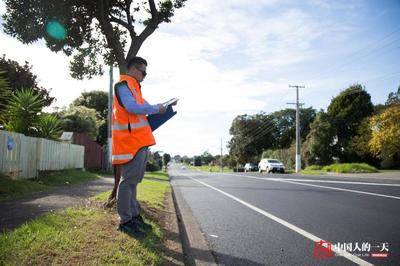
112,39
137,41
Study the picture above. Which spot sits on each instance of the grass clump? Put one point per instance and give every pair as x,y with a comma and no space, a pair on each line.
78,236
10,189
350,168
313,168
16,188
65,177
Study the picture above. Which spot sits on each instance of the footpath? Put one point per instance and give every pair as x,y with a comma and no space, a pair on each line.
16,212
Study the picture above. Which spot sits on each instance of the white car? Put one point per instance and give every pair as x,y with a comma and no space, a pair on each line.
270,165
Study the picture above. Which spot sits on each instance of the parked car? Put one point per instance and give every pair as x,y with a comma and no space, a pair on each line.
238,168
271,165
249,167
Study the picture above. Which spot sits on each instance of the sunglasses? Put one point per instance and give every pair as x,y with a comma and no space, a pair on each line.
144,73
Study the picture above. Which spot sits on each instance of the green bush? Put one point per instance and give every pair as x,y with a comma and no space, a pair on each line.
152,166
313,168
350,168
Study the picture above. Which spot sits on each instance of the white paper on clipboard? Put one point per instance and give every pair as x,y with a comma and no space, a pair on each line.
170,102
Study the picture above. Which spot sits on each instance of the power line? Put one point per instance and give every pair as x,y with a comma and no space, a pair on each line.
359,54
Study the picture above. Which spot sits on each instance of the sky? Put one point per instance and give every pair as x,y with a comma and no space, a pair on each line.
228,58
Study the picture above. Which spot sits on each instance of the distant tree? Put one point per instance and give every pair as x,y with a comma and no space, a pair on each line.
81,119
317,148
197,161
166,159
93,32
393,97
177,158
21,77
158,158
385,140
97,100
359,143
346,111
186,159
23,111
154,162
206,158
251,134
285,122
228,161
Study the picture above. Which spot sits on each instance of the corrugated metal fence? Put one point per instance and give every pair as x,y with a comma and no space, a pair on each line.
24,156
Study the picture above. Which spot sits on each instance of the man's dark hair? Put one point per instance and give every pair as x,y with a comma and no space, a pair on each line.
136,62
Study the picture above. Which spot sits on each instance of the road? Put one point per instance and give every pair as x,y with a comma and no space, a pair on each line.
268,219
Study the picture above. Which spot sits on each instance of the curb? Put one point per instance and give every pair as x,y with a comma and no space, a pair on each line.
174,252
194,245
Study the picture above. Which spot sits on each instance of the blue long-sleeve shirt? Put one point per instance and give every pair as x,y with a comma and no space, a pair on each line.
130,104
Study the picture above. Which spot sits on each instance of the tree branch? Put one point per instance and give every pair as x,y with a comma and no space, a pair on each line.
128,11
120,22
112,39
150,28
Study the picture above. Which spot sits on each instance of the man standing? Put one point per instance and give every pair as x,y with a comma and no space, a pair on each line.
131,137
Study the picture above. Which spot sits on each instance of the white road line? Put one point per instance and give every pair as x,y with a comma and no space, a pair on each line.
344,189
292,227
339,182
311,185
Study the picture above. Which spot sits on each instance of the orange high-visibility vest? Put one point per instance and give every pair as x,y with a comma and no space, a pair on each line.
130,132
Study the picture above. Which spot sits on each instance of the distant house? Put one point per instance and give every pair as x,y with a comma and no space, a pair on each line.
94,157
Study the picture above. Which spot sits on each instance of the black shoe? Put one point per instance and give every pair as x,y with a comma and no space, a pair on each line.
140,222
132,230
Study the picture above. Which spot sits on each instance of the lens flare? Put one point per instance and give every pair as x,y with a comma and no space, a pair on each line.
56,30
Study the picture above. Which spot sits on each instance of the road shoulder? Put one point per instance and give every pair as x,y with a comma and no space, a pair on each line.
195,248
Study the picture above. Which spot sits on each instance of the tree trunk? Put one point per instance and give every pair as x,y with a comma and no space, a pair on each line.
112,199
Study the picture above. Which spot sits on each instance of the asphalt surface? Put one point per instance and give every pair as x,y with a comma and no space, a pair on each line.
267,219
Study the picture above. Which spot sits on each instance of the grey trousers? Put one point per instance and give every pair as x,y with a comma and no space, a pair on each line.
131,175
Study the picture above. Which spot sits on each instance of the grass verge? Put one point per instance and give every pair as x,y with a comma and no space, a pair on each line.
151,190
312,172
77,236
350,168
214,168
88,235
340,168
16,188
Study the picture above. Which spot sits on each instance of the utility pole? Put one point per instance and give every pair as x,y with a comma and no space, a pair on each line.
110,99
298,153
220,159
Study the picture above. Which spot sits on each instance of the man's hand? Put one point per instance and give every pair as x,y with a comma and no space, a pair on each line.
162,109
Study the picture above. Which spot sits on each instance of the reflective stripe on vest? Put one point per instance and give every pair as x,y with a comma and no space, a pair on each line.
141,123
122,157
